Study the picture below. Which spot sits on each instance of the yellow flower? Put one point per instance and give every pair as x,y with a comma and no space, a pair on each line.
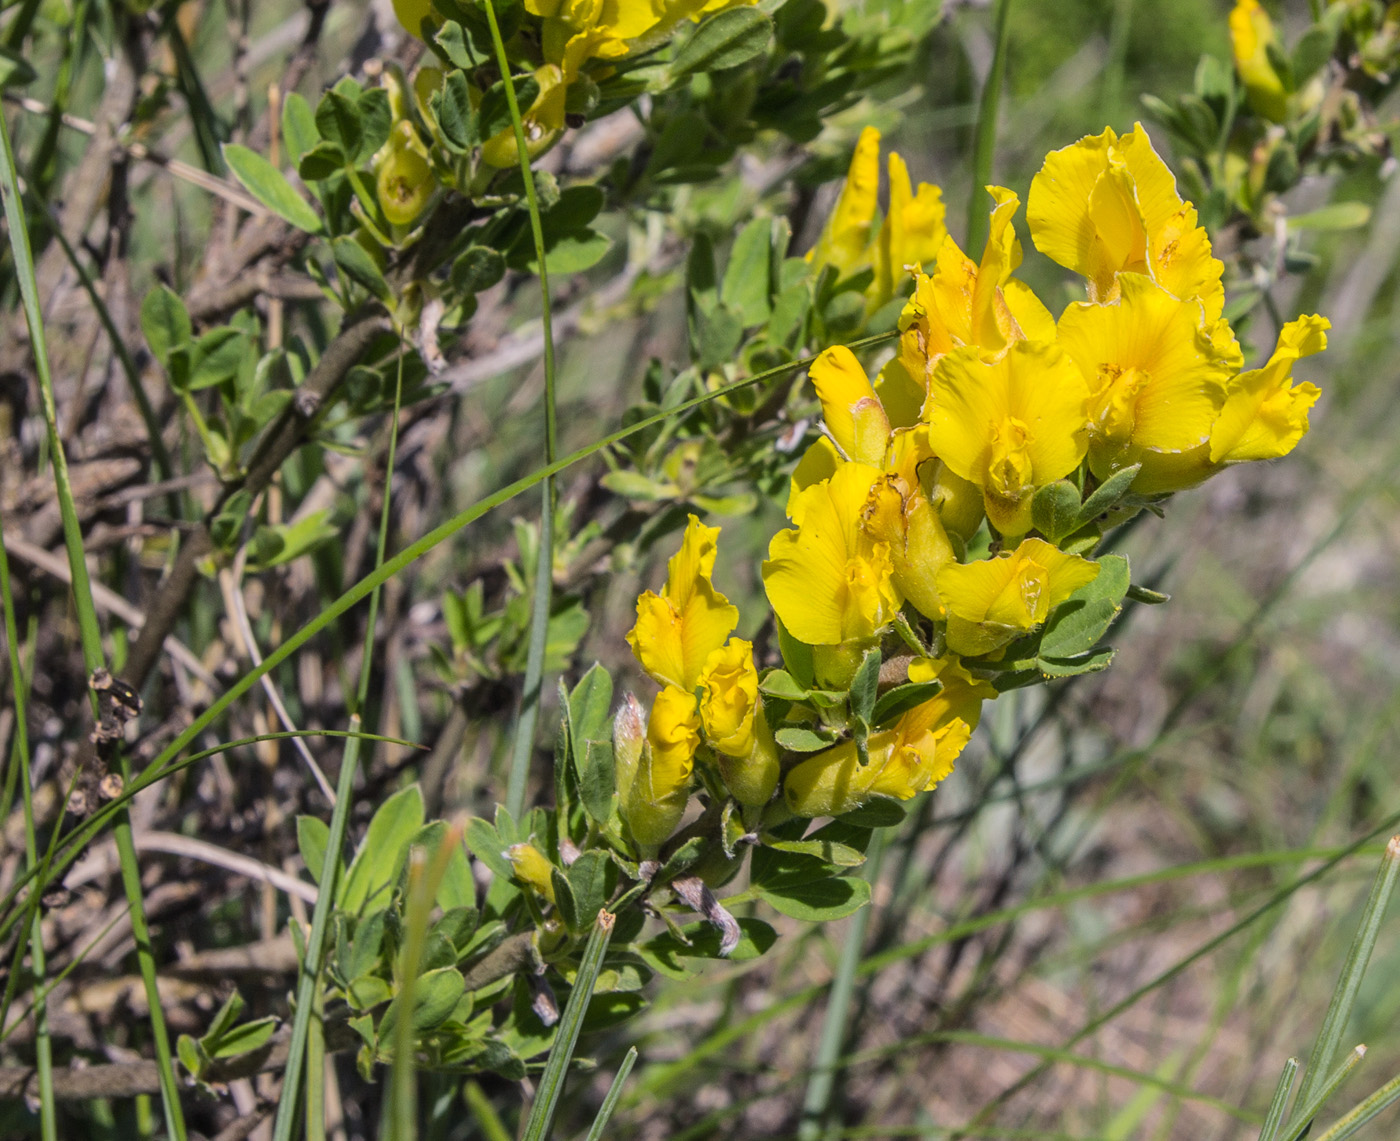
911,233
542,121
735,725
911,757
1108,205
1009,425
679,628
1156,379
994,601
1251,35
1265,414
963,303
1263,418
658,794
829,581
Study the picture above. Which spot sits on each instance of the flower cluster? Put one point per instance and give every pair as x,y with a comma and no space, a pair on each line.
950,505
575,44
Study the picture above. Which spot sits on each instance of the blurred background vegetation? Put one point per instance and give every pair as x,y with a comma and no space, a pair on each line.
1095,836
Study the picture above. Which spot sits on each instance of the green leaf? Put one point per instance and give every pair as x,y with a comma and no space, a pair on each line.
1337,216
1077,624
865,686
1055,510
801,739
455,116
747,276
299,132
568,253
781,684
596,781
216,357
189,1055
286,542
15,70
1108,494
827,851
165,322
382,850
338,121
478,268
664,950
453,42
634,485
881,812
245,1039
266,183
903,698
588,881
312,838
590,706
725,40
487,846
321,162
576,208
1089,662
229,1013
355,262
817,901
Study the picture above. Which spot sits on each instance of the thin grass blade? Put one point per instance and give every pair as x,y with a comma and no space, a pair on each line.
609,1106
1273,1120
1308,1110
1344,997
86,612
523,746
556,1069
1378,1102
985,141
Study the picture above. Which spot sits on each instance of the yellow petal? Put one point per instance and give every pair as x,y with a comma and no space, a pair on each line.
1265,414
1156,378
1251,31
842,386
1058,208
845,239
993,601
677,630
1010,425
819,462
829,581
730,685
903,519
658,794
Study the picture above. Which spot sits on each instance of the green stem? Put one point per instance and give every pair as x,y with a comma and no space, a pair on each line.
556,1068
43,1044
88,627
985,141
838,1007
524,744
1344,997
309,983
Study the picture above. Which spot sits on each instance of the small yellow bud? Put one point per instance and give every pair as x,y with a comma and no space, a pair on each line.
532,869
658,794
405,181
736,726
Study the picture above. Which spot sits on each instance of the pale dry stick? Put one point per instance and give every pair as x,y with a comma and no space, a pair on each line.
229,580
109,601
103,862
228,191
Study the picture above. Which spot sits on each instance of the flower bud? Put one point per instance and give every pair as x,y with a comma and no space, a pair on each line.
405,180
532,869
658,794
629,734
735,725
